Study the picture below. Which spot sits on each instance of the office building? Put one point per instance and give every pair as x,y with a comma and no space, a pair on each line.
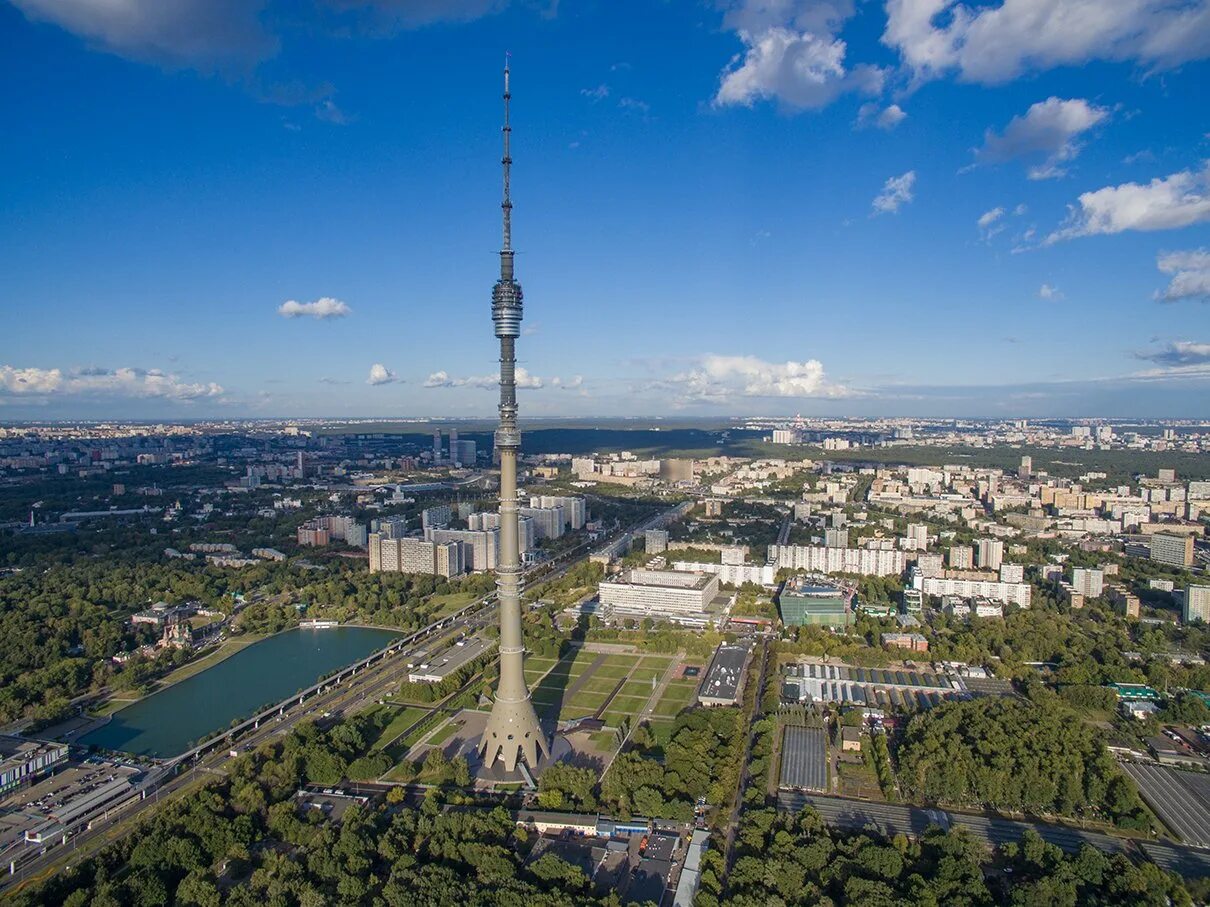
462,453
22,761
1088,581
1197,604
656,540
1173,550
665,594
989,554
961,557
806,602
437,446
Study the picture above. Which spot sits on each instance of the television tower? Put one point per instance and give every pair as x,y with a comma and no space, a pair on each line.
512,731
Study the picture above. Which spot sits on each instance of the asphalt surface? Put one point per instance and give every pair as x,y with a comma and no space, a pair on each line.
890,819
1178,797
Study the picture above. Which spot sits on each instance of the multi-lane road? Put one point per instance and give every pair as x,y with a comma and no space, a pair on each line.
890,819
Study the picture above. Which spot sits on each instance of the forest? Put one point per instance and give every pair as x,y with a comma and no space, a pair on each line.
1018,755
794,859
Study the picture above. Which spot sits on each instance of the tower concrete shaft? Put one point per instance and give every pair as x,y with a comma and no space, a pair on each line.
513,732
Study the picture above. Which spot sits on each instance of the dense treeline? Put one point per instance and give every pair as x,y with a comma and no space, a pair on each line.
62,623
1010,754
701,759
246,840
788,859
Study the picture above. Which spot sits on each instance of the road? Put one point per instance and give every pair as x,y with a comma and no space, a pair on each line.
890,819
744,773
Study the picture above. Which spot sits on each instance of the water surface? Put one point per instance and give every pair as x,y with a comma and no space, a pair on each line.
165,724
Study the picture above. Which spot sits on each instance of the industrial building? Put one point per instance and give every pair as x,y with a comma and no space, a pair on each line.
807,602
725,678
804,764
899,688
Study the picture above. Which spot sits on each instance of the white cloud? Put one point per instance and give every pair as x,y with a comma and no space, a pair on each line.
596,94
327,111
717,379
988,222
1180,353
1165,203
1046,291
486,382
873,114
207,34
1190,275
994,43
1048,129
324,307
122,382
380,374
896,192
792,55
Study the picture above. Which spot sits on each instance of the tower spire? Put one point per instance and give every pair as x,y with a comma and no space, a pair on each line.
506,253
513,733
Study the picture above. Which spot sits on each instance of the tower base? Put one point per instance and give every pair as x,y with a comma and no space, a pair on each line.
513,734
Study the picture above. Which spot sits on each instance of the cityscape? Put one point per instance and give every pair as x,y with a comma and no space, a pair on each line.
605,593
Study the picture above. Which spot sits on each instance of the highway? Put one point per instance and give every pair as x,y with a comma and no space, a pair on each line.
890,819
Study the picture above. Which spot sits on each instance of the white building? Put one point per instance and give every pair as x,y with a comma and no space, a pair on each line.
917,537
820,559
1088,581
414,556
665,594
989,554
1011,593
1197,604
961,557
732,574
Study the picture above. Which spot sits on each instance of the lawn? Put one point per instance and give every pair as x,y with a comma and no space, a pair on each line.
448,604
451,727
405,718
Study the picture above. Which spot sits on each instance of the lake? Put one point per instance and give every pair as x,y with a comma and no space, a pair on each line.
166,723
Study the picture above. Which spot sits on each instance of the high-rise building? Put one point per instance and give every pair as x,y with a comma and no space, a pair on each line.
657,540
462,453
961,557
1174,550
1027,467
989,554
437,446
917,537
437,517
836,538
1088,581
1197,604
512,733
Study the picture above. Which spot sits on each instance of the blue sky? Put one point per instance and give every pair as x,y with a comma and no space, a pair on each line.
821,206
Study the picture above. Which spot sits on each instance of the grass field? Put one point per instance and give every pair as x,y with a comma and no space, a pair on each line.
445,733
448,604
404,718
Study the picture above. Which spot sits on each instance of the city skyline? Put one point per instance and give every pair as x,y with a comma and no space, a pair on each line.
736,208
